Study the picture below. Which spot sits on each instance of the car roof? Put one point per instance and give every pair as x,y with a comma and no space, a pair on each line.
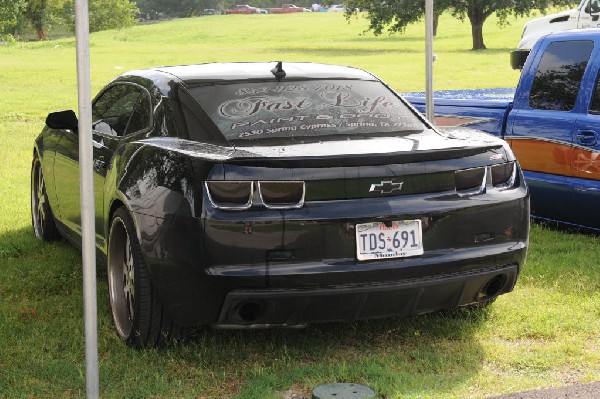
192,75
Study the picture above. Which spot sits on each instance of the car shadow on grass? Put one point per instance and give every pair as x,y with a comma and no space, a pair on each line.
424,355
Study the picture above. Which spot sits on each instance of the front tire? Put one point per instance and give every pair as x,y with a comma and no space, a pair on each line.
42,218
137,313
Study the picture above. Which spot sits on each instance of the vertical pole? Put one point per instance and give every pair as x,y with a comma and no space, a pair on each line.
429,60
86,179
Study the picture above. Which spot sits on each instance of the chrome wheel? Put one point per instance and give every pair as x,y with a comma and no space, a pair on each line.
129,278
137,313
41,214
121,278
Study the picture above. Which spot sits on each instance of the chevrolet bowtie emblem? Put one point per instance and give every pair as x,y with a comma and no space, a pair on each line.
386,187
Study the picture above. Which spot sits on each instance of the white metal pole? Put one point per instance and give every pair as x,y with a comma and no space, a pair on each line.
429,60
86,179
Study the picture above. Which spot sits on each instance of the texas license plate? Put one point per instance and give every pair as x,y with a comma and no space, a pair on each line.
396,239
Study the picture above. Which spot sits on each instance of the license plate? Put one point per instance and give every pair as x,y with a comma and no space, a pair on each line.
397,239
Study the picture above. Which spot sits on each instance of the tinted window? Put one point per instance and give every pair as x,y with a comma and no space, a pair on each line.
595,106
557,80
122,109
305,111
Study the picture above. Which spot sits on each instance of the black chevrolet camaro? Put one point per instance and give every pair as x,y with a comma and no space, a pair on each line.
248,195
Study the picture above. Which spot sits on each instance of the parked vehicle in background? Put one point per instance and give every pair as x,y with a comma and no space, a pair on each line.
210,11
249,195
584,16
242,9
337,8
552,123
287,9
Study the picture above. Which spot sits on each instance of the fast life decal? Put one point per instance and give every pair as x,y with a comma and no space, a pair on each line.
310,109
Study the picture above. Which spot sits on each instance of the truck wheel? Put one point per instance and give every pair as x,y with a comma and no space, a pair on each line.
137,314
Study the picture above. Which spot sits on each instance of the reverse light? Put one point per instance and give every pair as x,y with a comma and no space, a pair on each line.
234,195
282,194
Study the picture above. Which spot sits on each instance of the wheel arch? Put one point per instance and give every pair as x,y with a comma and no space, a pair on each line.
116,204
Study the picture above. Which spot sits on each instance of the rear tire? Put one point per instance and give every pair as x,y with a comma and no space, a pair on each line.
137,314
42,218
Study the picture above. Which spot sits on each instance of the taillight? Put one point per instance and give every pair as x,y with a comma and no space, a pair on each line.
237,195
282,194
470,181
474,181
503,175
230,194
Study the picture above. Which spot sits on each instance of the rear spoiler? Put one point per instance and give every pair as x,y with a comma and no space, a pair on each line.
518,58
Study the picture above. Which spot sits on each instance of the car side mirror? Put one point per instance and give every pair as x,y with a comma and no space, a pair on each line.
62,120
518,58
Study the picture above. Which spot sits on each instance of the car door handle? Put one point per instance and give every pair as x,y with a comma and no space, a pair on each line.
587,137
98,144
99,164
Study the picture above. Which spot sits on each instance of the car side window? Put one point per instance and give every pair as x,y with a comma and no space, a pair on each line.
121,110
559,74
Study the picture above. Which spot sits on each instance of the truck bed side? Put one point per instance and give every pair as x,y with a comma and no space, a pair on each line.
482,109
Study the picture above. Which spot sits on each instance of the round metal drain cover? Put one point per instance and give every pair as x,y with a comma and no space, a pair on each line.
343,391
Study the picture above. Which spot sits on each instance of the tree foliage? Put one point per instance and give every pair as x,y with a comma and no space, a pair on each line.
10,10
105,14
39,12
396,15
15,15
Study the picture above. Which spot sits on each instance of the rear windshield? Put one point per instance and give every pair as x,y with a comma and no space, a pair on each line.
306,111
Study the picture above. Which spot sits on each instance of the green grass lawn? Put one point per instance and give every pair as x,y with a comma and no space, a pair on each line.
545,333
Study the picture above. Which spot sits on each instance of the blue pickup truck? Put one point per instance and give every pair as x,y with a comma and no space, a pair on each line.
551,121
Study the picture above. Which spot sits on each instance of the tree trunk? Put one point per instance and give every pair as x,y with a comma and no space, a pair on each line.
39,28
436,19
477,35
477,17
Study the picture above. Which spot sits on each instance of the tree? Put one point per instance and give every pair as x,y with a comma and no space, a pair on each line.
397,14
39,11
10,10
105,14
112,14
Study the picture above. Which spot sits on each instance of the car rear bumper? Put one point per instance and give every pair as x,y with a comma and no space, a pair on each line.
297,307
298,267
